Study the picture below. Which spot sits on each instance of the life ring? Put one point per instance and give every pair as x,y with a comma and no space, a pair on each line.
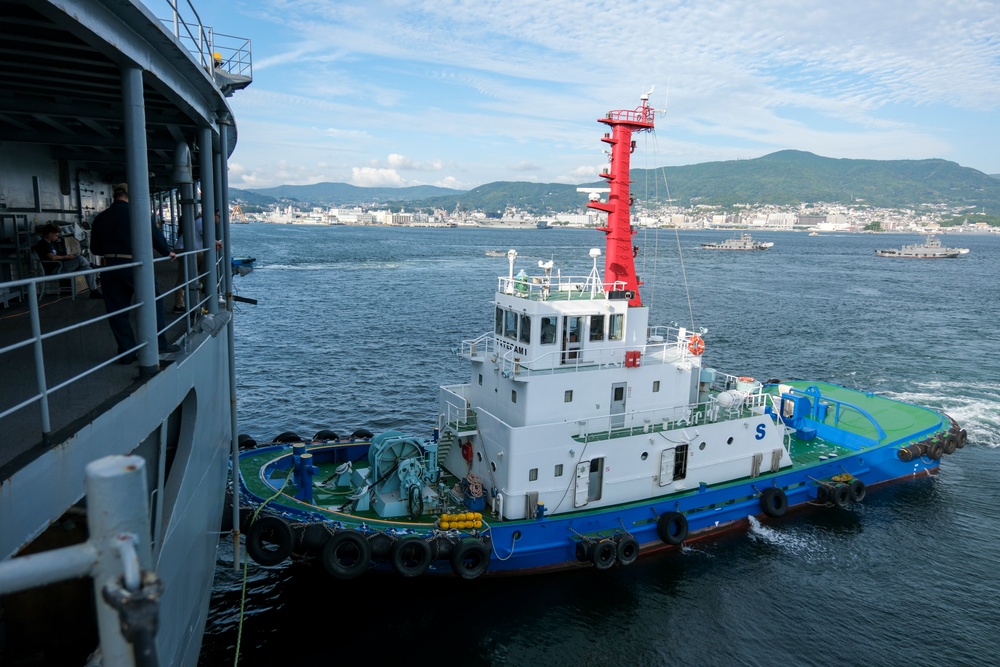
324,435
858,491
774,502
410,557
696,345
840,495
346,554
672,528
745,378
269,540
628,550
470,559
604,554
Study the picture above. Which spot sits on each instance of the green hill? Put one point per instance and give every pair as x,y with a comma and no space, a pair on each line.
782,178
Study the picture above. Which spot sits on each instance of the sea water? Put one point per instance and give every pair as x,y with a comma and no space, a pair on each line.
354,328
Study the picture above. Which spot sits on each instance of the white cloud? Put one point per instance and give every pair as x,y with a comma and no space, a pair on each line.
375,177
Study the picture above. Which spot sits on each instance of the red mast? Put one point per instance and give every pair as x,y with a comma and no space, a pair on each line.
618,262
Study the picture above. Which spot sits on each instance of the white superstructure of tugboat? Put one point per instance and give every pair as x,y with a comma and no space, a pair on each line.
931,248
583,437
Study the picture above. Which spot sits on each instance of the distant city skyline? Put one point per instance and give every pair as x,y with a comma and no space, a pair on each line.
456,94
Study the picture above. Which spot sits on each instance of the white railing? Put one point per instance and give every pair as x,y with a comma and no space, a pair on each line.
542,288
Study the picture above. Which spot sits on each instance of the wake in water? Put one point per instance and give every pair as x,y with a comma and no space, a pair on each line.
790,541
974,405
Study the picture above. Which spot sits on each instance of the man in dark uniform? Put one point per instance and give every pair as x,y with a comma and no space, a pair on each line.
111,238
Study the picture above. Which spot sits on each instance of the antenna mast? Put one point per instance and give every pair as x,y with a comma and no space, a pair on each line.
619,265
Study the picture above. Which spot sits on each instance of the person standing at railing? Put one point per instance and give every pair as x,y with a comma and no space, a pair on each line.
51,255
111,238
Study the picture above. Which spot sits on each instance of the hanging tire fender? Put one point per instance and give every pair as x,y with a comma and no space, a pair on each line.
410,557
672,528
858,491
347,554
627,551
840,495
269,540
773,502
604,555
470,559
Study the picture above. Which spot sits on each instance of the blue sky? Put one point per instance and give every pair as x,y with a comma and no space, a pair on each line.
459,93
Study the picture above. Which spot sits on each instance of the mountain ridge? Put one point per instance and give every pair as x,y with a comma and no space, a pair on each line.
785,177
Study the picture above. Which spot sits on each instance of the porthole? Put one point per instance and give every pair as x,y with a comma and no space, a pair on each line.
645,455
702,444
729,441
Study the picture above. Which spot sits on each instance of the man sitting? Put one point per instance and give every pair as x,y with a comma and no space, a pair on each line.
56,260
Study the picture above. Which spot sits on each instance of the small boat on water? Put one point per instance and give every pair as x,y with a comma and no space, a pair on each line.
744,242
931,248
583,438
496,253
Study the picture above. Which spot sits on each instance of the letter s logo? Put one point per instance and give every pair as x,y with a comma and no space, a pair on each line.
761,428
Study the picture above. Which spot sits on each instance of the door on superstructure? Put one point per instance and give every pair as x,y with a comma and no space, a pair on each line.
572,337
618,404
589,481
582,496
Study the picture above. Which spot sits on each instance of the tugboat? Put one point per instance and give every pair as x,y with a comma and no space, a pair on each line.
584,438
744,242
931,248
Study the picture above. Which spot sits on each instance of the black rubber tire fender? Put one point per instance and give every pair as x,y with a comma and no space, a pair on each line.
773,502
362,434
935,449
347,554
269,540
822,493
627,551
672,528
287,436
324,435
470,559
950,444
410,557
840,495
858,491
245,441
604,555
963,437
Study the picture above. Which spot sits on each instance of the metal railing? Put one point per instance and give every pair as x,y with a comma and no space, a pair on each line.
116,555
210,49
35,339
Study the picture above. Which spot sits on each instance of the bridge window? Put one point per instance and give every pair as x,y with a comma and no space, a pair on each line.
548,331
510,325
656,385
533,475
498,328
616,327
525,336
568,396
596,327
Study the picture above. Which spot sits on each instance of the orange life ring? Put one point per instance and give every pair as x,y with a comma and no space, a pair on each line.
696,345
745,379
